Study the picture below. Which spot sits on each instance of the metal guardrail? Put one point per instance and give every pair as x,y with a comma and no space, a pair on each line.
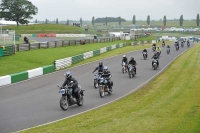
61,43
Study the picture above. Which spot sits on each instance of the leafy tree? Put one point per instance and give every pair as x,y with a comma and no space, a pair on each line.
81,22
181,20
68,22
119,20
134,21
46,21
197,20
17,10
106,20
93,20
148,20
109,19
57,21
164,20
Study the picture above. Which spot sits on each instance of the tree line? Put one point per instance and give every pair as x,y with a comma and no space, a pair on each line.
21,11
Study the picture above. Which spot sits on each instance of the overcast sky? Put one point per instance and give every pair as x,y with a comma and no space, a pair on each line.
75,9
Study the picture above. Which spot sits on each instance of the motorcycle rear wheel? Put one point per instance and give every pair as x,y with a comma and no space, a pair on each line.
64,103
80,103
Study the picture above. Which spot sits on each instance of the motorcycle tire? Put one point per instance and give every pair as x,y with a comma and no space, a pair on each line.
64,103
81,100
96,84
101,91
129,74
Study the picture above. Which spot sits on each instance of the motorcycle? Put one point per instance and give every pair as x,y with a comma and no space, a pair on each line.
158,53
154,48
163,44
182,44
124,67
103,87
168,50
177,48
188,44
96,79
68,99
131,71
145,55
155,66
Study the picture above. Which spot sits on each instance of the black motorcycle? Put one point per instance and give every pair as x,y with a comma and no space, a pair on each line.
105,86
68,98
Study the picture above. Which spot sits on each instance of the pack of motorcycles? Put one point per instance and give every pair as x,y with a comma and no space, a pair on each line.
102,83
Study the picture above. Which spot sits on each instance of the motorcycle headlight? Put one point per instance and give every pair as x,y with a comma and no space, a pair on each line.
62,91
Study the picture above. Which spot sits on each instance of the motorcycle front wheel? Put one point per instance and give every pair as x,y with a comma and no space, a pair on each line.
63,103
96,83
129,73
101,91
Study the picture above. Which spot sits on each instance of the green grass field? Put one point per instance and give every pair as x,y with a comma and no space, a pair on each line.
170,103
48,28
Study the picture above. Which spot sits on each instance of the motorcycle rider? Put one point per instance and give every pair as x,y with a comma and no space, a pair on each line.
107,75
188,42
154,45
26,40
158,49
125,60
163,42
168,47
68,79
177,44
145,50
155,57
133,63
99,68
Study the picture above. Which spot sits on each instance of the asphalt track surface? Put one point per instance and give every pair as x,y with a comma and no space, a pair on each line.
36,101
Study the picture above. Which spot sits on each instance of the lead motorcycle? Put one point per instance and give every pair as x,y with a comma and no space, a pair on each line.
155,66
68,99
104,87
131,71
97,77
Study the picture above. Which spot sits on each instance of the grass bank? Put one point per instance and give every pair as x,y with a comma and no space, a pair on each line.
170,103
48,28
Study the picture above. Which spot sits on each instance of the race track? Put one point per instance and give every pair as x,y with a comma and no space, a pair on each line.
36,101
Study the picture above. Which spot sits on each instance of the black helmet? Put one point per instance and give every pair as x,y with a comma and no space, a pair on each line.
100,64
132,58
68,75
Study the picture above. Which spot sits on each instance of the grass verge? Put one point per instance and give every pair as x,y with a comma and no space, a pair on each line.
170,103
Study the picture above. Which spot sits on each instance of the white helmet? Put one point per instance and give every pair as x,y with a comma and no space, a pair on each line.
124,55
